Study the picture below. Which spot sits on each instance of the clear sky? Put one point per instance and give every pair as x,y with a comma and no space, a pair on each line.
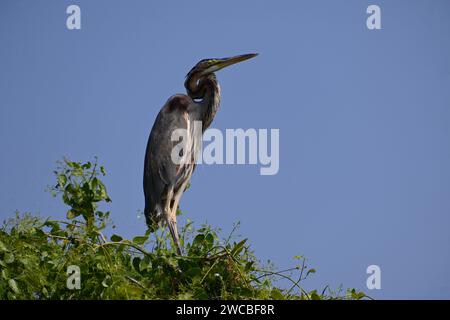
364,119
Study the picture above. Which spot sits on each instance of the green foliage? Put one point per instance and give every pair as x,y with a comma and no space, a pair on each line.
35,255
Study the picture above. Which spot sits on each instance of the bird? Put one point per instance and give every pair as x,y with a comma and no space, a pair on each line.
165,180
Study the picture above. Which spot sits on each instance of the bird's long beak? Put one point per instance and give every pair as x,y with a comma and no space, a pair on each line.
225,62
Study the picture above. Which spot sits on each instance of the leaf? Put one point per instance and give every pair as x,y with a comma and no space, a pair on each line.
25,261
13,285
40,233
249,266
200,294
194,272
116,238
357,295
107,281
52,224
185,264
198,239
71,214
144,264
140,239
87,165
314,296
101,191
276,294
136,263
209,240
3,247
238,248
9,258
311,271
62,180
246,293
185,296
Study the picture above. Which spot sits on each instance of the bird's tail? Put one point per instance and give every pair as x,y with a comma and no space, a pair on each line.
174,232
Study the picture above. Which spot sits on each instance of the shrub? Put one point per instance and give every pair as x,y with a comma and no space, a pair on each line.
35,255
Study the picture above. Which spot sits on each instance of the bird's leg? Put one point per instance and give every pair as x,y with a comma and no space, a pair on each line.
171,219
176,201
177,197
172,223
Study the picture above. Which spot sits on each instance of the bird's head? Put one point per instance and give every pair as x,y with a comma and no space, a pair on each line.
208,66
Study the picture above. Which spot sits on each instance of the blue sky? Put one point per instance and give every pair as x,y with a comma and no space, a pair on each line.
364,119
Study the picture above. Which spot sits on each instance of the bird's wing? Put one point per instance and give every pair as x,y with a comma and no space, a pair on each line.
160,171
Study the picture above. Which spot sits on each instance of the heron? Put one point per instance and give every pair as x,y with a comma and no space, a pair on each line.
166,180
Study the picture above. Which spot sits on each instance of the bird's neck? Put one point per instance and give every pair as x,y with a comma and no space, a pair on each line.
206,89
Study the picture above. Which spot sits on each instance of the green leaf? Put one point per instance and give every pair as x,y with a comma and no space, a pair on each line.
185,264
2,247
185,296
311,271
71,214
107,281
140,239
200,294
9,258
238,248
62,180
40,233
5,274
51,224
357,295
209,239
194,272
249,266
116,238
276,294
13,285
314,296
136,263
144,264
198,239
102,190
87,165
246,293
